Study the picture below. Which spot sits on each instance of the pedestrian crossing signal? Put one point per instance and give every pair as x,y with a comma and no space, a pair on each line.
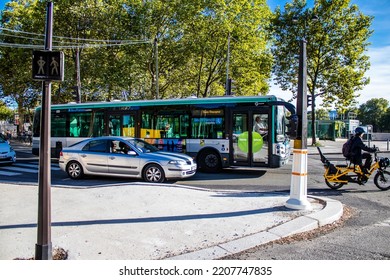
48,66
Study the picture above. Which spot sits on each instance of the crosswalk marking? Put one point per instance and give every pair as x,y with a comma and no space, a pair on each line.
33,165
7,173
15,168
18,169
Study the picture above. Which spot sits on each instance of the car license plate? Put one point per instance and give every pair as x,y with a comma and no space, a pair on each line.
3,156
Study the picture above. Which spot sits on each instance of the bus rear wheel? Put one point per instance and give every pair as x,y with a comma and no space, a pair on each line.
209,162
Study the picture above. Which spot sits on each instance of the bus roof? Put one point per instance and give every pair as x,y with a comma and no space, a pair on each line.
177,101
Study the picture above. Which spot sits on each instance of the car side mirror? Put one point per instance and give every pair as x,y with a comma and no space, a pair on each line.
132,153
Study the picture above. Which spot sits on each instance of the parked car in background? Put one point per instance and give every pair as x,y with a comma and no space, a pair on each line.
7,153
3,137
124,157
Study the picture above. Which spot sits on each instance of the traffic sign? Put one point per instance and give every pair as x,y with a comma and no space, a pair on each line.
48,66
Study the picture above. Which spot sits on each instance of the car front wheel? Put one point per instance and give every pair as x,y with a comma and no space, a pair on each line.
74,170
154,173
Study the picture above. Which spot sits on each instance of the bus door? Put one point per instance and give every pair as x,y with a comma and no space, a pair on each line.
121,125
250,138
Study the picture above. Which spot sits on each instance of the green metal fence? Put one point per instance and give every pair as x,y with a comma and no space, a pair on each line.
327,129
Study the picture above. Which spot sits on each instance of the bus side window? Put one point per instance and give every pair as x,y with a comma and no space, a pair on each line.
74,128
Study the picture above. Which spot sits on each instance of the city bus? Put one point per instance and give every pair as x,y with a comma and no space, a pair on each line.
217,131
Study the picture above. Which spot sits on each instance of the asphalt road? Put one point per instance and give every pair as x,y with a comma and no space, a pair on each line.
364,236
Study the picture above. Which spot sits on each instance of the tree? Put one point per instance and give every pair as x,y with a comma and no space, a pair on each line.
112,42
243,24
5,112
385,121
373,112
336,46
193,45
322,114
15,62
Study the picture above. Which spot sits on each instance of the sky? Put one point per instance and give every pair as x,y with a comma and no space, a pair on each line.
379,50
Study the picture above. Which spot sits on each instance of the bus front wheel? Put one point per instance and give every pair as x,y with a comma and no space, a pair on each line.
210,162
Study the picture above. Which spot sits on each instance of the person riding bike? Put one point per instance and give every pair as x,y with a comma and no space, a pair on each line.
357,146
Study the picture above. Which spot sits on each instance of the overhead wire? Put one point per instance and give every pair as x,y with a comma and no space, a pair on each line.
65,42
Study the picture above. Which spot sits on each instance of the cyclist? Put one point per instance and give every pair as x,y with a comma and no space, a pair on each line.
357,146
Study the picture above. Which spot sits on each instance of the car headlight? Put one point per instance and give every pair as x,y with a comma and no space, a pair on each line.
177,162
11,149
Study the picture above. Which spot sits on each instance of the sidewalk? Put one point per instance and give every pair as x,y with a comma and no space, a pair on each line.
150,222
334,147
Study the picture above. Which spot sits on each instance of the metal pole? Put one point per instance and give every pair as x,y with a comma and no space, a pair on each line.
78,79
298,190
302,99
227,67
43,248
156,57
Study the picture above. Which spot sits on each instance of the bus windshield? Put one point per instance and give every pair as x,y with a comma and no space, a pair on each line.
281,122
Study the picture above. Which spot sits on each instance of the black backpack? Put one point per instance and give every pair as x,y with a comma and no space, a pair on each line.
347,152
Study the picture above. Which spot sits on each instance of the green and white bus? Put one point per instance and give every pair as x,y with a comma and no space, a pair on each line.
218,132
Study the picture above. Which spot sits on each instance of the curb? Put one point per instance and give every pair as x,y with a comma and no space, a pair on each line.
332,211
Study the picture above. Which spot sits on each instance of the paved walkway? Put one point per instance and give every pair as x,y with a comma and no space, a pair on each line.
153,221
334,147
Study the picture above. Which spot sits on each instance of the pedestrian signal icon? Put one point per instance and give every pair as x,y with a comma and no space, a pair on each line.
48,66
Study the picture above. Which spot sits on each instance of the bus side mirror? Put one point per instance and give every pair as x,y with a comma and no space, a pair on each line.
292,126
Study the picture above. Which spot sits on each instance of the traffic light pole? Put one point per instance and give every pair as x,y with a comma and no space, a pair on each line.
298,189
43,248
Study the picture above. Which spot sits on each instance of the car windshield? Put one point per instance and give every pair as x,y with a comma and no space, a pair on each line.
143,146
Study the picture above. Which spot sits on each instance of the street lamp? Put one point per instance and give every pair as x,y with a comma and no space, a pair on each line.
298,189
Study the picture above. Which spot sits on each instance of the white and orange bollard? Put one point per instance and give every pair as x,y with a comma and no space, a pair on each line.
298,189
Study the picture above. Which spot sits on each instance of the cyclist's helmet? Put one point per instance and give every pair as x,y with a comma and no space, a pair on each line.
359,130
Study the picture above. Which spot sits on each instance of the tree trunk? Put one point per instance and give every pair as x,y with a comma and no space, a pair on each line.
21,119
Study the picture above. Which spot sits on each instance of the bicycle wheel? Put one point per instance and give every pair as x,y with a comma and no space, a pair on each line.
382,180
334,185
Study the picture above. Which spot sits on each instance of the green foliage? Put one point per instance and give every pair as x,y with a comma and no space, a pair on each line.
375,112
15,63
5,112
192,40
322,114
385,121
336,49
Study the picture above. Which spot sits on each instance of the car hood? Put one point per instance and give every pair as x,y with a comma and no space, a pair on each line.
4,148
169,155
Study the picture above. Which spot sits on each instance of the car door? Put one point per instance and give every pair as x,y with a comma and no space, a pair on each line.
125,164
94,156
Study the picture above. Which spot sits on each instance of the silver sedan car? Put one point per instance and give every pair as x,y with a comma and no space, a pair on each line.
125,157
